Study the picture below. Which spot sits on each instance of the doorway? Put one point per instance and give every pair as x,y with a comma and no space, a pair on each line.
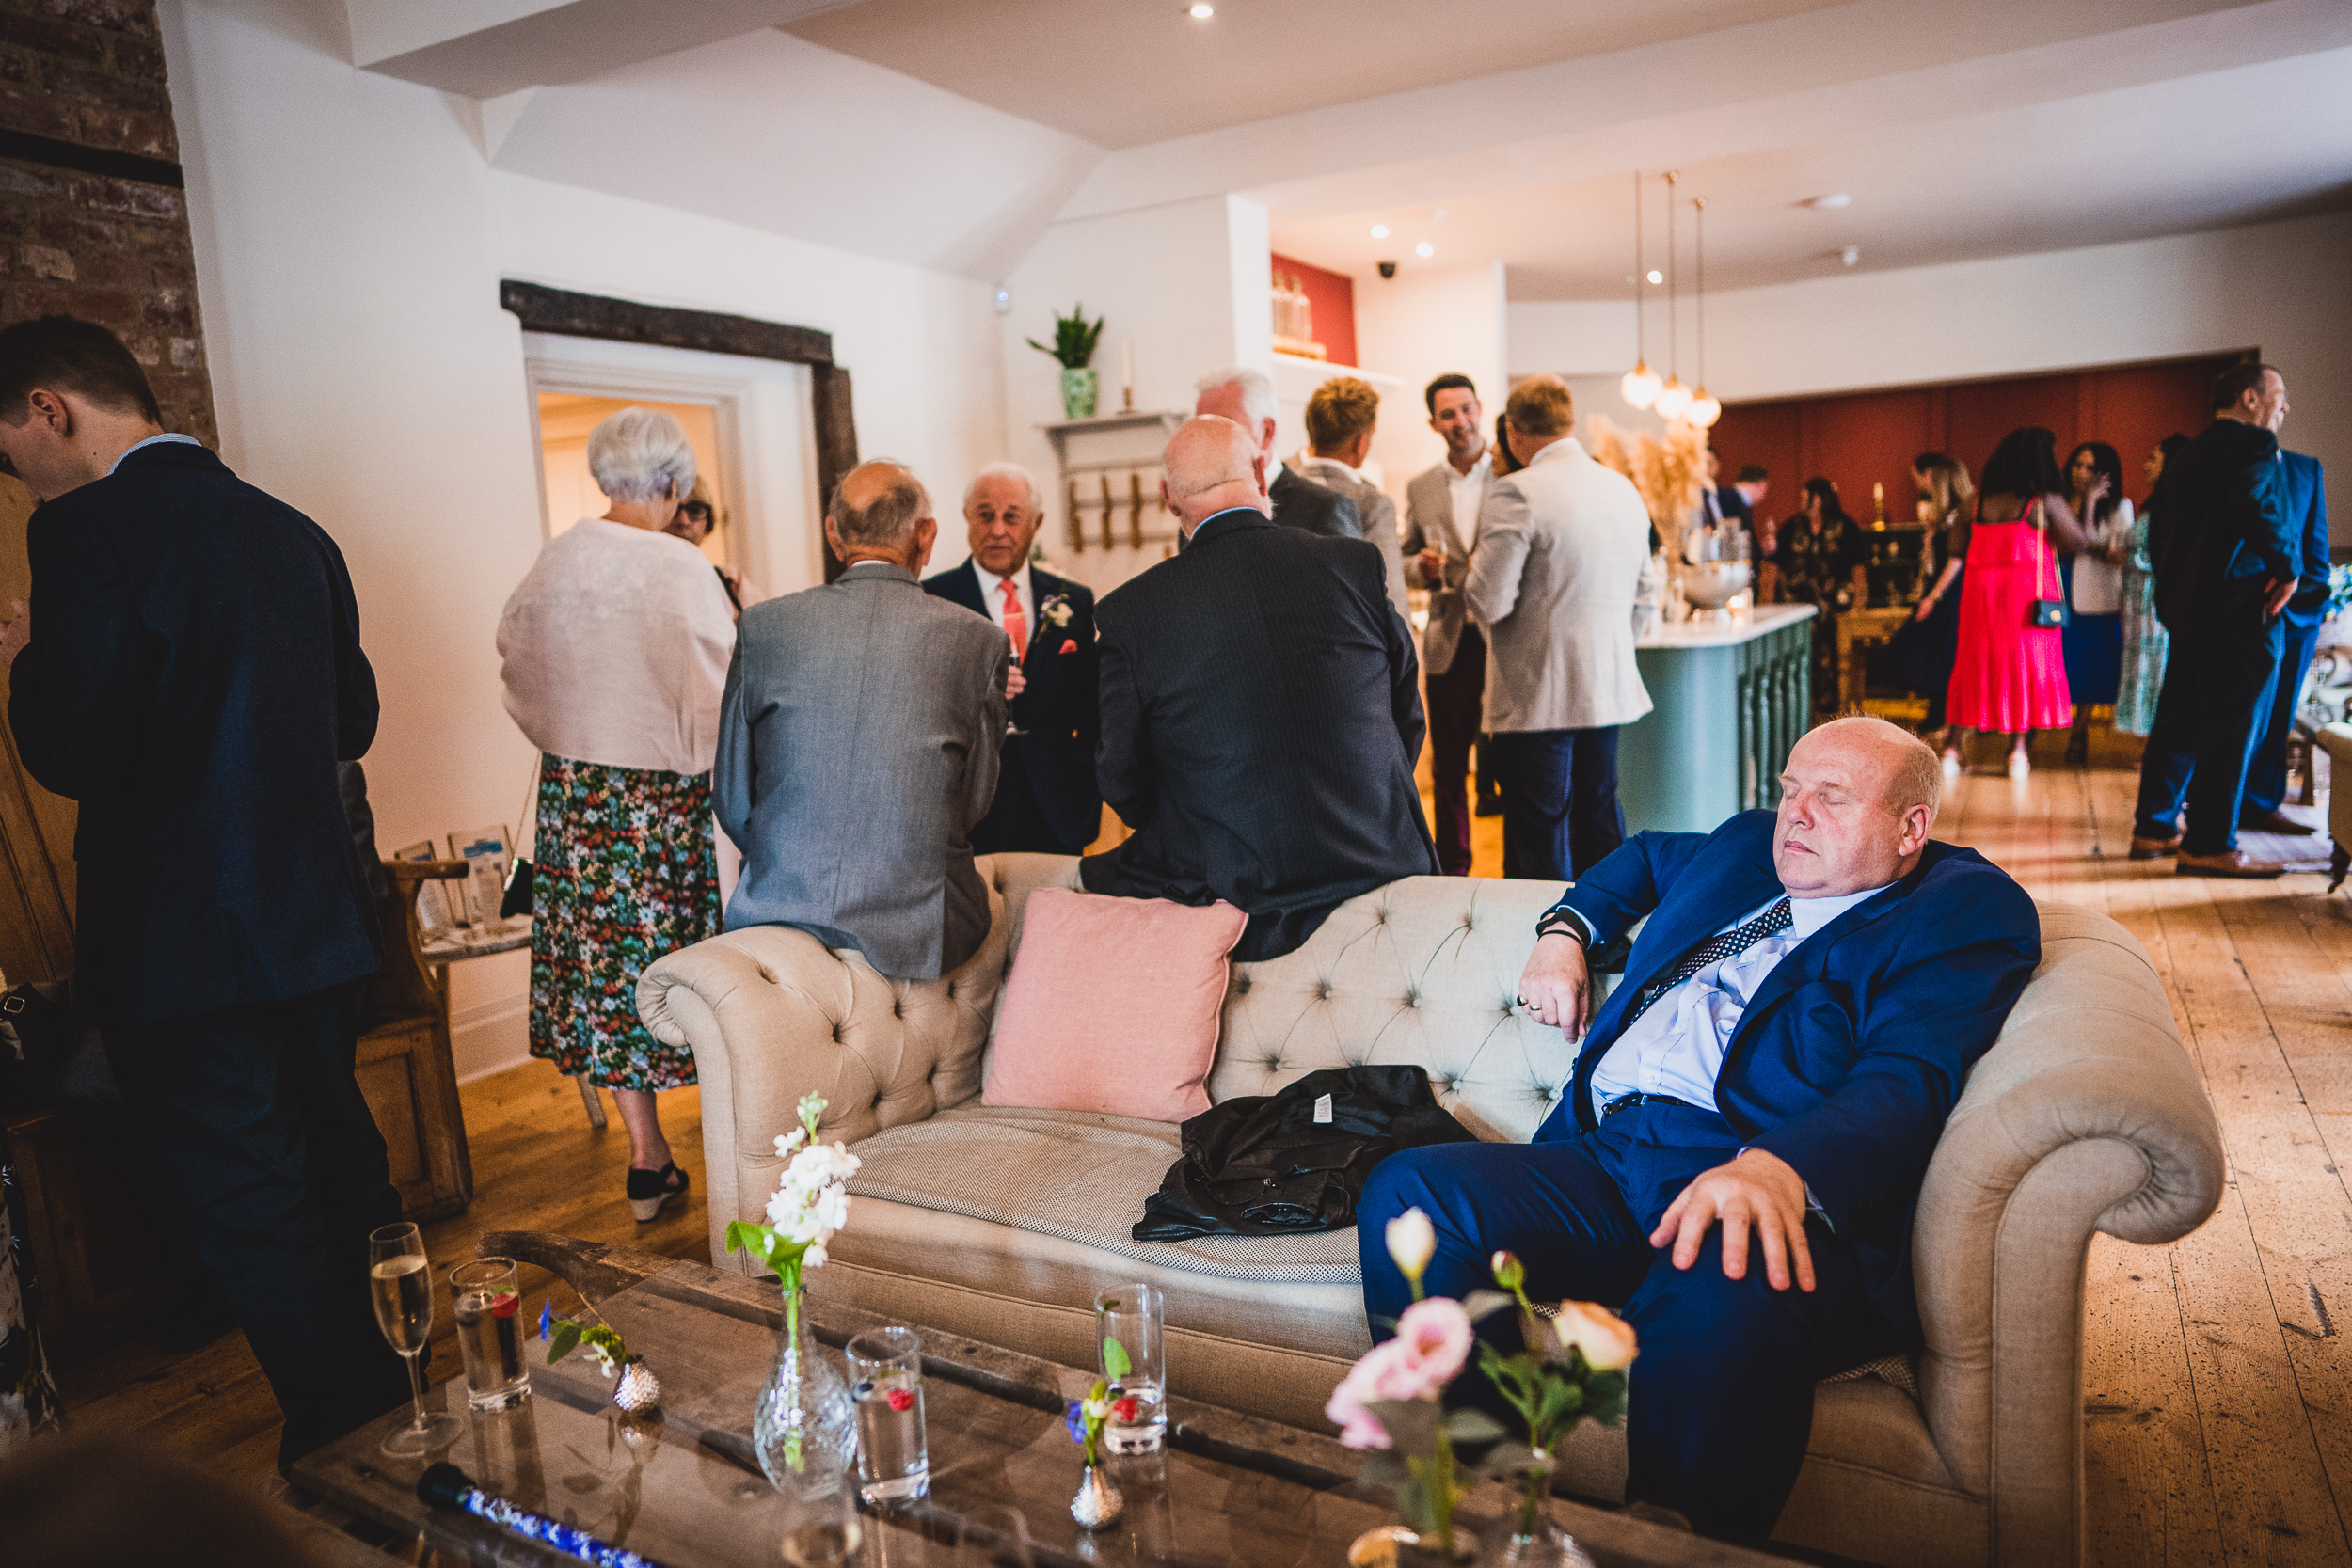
566,420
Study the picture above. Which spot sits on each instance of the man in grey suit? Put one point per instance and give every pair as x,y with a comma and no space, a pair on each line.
1441,522
1340,418
858,745
1246,397
1560,558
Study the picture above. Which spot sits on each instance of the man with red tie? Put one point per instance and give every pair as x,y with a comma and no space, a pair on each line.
1046,799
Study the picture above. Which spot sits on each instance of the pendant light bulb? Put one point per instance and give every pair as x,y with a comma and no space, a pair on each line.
1673,399
1640,386
1705,409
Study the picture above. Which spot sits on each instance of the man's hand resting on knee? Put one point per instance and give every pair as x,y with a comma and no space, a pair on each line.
1757,1191
1556,987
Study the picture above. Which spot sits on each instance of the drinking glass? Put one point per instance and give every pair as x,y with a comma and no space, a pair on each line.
489,1328
1127,1336
993,1535
886,1381
401,1285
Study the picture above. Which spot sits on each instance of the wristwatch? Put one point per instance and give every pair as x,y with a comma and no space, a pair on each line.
1563,923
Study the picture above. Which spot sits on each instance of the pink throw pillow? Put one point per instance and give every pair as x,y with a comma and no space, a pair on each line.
1113,1005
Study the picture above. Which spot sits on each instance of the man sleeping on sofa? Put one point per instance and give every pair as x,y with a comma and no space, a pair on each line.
1794,1024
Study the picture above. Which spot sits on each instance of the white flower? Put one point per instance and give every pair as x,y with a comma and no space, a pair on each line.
1606,1339
815,1257
787,1142
1412,1241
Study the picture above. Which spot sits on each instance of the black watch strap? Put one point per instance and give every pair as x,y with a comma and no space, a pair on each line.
1562,922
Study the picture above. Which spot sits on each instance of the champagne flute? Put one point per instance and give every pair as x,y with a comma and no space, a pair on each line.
400,1282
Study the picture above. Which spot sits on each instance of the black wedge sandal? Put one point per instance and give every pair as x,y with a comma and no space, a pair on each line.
649,1190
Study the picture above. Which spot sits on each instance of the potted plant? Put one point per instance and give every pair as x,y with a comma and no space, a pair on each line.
1075,339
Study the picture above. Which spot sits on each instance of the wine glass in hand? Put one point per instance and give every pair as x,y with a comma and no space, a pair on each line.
400,1282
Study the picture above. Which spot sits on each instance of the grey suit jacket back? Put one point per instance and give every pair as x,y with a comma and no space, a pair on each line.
858,745
1375,510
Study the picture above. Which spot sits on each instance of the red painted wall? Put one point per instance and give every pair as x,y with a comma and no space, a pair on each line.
1858,437
1332,294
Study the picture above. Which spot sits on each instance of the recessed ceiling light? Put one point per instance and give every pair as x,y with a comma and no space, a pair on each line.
1850,255
1202,13
1425,249
1657,277
1379,231
1830,203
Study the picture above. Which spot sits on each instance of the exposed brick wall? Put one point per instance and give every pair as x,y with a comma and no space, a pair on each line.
103,246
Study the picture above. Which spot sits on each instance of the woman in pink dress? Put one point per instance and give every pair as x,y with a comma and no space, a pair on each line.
2009,675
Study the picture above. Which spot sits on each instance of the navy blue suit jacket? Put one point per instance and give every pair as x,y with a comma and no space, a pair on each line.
1059,710
1854,1050
194,678
2303,494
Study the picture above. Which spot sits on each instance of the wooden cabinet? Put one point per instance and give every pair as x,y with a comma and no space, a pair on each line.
405,1069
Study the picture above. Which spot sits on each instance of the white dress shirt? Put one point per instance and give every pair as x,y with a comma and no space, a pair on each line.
1676,1048
1466,491
150,442
993,595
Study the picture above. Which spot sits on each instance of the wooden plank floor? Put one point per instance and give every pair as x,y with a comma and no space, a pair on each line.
2217,1386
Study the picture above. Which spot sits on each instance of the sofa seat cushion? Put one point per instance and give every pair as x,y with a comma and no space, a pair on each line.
1082,1176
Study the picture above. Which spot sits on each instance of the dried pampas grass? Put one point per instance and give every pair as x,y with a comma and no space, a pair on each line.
1668,473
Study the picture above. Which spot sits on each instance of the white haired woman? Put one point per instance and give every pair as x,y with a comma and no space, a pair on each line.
615,652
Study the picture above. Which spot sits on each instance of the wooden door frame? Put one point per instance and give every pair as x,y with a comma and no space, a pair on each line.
563,313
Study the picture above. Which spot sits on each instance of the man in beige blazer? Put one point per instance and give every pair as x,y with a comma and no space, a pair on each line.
1554,574
1340,417
1441,522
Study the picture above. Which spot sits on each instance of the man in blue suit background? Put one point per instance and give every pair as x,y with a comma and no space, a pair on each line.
2304,497
1046,799
1794,1024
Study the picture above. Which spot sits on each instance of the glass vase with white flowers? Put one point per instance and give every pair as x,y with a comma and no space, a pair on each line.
1571,1367
804,1427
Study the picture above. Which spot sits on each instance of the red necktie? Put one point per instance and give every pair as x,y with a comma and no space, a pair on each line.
1016,624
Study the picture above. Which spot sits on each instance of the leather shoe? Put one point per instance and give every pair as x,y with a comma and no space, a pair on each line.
2237,862
2155,848
2274,821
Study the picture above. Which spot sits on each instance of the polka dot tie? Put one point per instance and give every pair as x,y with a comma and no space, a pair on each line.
1738,940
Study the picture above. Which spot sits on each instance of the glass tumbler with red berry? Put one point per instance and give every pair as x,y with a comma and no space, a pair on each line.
490,1329
886,1372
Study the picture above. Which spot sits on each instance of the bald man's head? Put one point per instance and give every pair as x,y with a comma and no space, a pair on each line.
880,511
1857,799
1212,464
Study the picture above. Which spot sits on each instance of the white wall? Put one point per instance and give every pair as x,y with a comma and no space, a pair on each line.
2285,288
349,240
1419,326
1185,284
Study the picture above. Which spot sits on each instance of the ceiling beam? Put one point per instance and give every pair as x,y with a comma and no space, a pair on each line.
488,48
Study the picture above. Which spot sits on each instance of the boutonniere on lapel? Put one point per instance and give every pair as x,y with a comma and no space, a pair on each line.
1056,610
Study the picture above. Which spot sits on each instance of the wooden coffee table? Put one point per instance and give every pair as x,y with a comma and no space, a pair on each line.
684,1489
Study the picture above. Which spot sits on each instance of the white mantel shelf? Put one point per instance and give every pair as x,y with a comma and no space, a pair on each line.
1744,626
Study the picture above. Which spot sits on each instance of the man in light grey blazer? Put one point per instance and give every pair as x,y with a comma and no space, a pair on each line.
1440,523
858,745
1340,417
1562,549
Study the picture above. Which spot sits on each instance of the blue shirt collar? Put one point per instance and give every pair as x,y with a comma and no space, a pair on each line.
152,441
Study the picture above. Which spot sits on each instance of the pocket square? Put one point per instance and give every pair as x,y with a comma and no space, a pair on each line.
1069,645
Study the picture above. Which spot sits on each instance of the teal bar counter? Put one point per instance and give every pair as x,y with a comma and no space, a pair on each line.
1731,699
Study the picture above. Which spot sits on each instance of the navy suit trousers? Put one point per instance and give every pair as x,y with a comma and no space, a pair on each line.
1721,1403
2267,775
1560,814
2218,679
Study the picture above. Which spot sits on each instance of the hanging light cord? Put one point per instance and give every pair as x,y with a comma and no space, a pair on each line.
1674,323
1700,202
1641,341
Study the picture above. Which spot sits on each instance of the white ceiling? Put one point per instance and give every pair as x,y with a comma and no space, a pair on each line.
2259,142
948,133
1125,72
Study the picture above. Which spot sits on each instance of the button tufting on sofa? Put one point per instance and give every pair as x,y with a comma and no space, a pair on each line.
770,975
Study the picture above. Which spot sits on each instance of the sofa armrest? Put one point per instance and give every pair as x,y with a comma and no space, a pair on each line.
772,1014
2085,1115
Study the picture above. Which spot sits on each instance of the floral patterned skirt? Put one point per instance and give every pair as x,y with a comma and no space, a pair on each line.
624,870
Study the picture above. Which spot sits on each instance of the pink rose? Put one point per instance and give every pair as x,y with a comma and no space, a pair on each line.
1367,1381
1436,1335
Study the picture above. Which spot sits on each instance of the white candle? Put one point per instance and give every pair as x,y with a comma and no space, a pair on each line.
1127,366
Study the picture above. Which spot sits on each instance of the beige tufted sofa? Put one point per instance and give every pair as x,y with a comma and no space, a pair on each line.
2086,1116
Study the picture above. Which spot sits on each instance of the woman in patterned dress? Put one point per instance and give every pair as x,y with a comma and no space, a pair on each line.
615,650
2145,641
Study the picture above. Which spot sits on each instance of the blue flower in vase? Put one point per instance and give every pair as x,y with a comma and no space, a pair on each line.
547,1317
1075,1417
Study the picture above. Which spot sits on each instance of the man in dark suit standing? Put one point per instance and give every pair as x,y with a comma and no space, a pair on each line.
2227,561
1794,1024
1246,397
1046,803
190,672
2304,496
1261,711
